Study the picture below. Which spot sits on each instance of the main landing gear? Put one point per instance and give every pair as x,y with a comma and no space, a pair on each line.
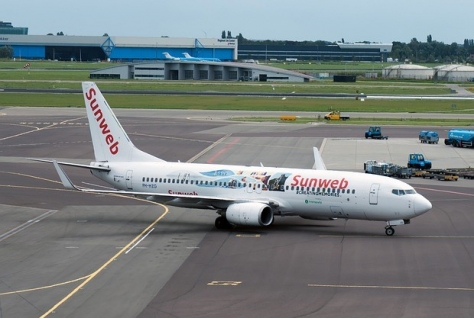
222,223
389,231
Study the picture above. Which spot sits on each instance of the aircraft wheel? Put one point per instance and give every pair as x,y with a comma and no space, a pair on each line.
222,223
389,231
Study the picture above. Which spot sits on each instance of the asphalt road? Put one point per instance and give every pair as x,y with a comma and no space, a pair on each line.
69,254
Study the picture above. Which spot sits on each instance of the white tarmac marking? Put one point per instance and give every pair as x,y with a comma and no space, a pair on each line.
26,225
138,242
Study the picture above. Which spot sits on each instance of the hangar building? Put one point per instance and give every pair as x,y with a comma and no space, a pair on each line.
199,70
89,48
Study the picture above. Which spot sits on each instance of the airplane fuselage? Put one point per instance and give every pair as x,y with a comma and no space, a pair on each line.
311,194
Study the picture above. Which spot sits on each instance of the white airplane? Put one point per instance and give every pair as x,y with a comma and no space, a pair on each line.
170,57
241,195
188,57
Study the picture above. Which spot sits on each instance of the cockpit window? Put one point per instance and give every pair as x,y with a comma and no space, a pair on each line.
401,192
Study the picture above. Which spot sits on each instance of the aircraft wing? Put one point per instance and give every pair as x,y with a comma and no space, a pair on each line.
214,201
318,160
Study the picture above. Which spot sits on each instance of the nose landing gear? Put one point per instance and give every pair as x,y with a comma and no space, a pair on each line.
389,231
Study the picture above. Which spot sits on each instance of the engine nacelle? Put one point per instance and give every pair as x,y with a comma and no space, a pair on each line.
250,214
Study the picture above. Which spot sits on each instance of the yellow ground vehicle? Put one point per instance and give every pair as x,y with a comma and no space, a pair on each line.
335,115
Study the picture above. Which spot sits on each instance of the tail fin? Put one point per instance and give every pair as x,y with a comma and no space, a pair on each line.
170,57
111,142
186,54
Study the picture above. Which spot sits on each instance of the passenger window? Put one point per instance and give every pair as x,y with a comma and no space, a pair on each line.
143,179
353,191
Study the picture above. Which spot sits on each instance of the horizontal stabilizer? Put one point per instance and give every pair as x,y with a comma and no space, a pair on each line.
98,168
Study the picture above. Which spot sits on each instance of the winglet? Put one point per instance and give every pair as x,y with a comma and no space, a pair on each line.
318,160
64,178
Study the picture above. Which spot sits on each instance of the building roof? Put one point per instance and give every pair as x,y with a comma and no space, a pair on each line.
407,67
455,67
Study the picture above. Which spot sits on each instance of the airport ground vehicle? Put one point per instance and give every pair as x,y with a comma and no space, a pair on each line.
466,173
375,132
335,115
428,137
418,161
460,138
439,174
387,169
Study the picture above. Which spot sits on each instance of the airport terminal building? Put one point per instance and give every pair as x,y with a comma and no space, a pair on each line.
163,57
123,49
350,52
199,70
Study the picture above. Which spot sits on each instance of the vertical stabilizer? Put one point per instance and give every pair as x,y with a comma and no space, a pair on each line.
111,142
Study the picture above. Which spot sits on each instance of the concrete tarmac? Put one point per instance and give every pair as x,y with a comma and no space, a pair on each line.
69,254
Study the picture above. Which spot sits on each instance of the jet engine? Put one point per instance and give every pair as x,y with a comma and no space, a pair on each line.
250,214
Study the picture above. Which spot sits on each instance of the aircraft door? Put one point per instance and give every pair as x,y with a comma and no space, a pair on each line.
249,187
128,179
374,194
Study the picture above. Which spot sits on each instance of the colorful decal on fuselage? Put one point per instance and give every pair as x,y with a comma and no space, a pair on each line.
262,180
251,181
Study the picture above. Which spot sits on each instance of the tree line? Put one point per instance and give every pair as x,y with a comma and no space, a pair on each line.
433,51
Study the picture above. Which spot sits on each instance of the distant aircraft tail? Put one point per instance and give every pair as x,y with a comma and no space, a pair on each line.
111,142
169,56
186,54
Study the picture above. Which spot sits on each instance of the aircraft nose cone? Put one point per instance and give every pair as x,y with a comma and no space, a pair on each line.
422,205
